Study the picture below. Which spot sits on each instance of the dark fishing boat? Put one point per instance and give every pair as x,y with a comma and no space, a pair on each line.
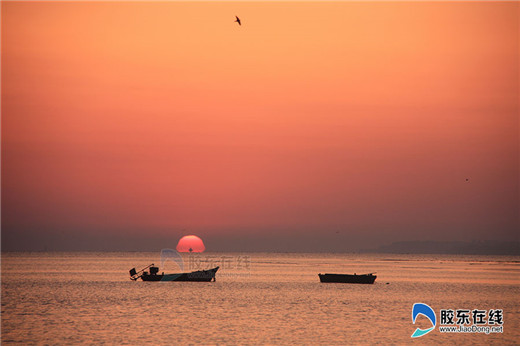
153,275
349,278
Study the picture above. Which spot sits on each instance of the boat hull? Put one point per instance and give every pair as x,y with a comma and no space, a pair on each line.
348,278
197,276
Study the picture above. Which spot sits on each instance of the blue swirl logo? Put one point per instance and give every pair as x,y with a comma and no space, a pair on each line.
173,255
425,310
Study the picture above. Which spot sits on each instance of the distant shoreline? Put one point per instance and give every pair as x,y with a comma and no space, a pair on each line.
486,248
451,248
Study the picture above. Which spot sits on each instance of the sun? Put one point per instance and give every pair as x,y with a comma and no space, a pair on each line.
190,243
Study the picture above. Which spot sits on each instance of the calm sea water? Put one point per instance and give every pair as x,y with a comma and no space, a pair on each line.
258,298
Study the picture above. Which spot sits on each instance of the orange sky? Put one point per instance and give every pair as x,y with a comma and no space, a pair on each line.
311,118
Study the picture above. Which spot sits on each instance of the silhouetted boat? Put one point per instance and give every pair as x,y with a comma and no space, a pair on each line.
349,278
153,275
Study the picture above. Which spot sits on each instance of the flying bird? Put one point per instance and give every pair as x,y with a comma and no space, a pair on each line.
238,20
